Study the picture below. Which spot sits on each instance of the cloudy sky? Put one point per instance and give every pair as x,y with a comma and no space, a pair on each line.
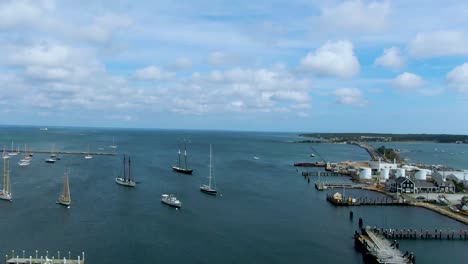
296,65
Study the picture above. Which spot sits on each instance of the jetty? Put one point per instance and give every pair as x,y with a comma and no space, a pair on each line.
372,152
63,152
36,259
377,249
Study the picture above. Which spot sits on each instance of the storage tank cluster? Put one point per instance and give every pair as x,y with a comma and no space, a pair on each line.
365,173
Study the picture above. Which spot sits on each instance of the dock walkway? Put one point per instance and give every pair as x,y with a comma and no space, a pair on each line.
380,250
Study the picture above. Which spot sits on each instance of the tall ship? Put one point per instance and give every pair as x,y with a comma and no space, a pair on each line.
178,167
5,193
65,198
126,180
209,189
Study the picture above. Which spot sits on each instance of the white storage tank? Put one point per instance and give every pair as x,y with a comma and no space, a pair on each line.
421,174
384,174
400,172
365,173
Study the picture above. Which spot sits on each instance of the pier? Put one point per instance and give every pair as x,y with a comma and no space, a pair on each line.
337,200
324,173
333,185
435,234
377,249
36,259
64,152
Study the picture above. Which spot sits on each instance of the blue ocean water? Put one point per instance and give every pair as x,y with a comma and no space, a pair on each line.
266,213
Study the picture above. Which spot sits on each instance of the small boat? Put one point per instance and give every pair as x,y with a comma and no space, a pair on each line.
50,160
126,181
88,156
312,155
5,193
113,144
208,188
23,163
171,200
43,129
256,158
64,198
179,168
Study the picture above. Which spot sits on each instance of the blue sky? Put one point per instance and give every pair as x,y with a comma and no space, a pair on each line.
297,65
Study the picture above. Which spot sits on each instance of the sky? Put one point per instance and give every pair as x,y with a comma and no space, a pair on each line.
296,65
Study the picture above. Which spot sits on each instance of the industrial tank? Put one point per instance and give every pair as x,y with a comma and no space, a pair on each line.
421,174
400,172
384,174
365,173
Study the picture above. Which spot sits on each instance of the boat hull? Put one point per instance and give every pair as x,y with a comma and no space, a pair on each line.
50,161
182,170
5,196
208,190
123,182
171,204
63,203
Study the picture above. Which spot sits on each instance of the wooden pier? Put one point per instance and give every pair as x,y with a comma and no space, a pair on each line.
377,249
36,259
435,234
324,173
364,201
64,152
333,185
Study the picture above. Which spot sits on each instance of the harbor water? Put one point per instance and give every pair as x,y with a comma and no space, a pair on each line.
265,213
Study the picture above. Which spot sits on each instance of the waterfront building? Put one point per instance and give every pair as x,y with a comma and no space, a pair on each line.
378,165
401,185
423,186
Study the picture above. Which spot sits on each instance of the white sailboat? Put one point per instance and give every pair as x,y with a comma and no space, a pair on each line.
88,156
26,160
209,189
12,152
53,156
65,198
5,154
113,144
126,181
5,193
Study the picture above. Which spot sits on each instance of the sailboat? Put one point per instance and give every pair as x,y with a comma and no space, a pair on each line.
12,152
126,181
64,198
178,168
26,160
5,154
53,156
88,156
208,188
5,193
113,144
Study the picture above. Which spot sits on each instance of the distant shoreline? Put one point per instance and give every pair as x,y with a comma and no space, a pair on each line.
374,137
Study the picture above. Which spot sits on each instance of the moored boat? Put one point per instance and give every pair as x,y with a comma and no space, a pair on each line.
171,200
126,180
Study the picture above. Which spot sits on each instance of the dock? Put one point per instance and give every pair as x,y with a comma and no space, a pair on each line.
434,234
324,173
341,201
44,259
377,249
64,152
334,185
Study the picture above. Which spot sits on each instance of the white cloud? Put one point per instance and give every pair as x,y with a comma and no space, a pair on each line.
408,80
153,73
356,15
218,58
458,78
182,63
439,43
104,27
332,59
391,58
14,13
349,96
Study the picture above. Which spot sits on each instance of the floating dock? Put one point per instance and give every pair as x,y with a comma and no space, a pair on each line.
435,234
364,201
377,249
333,185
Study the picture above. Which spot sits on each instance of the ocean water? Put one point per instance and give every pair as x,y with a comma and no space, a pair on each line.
266,213
452,155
